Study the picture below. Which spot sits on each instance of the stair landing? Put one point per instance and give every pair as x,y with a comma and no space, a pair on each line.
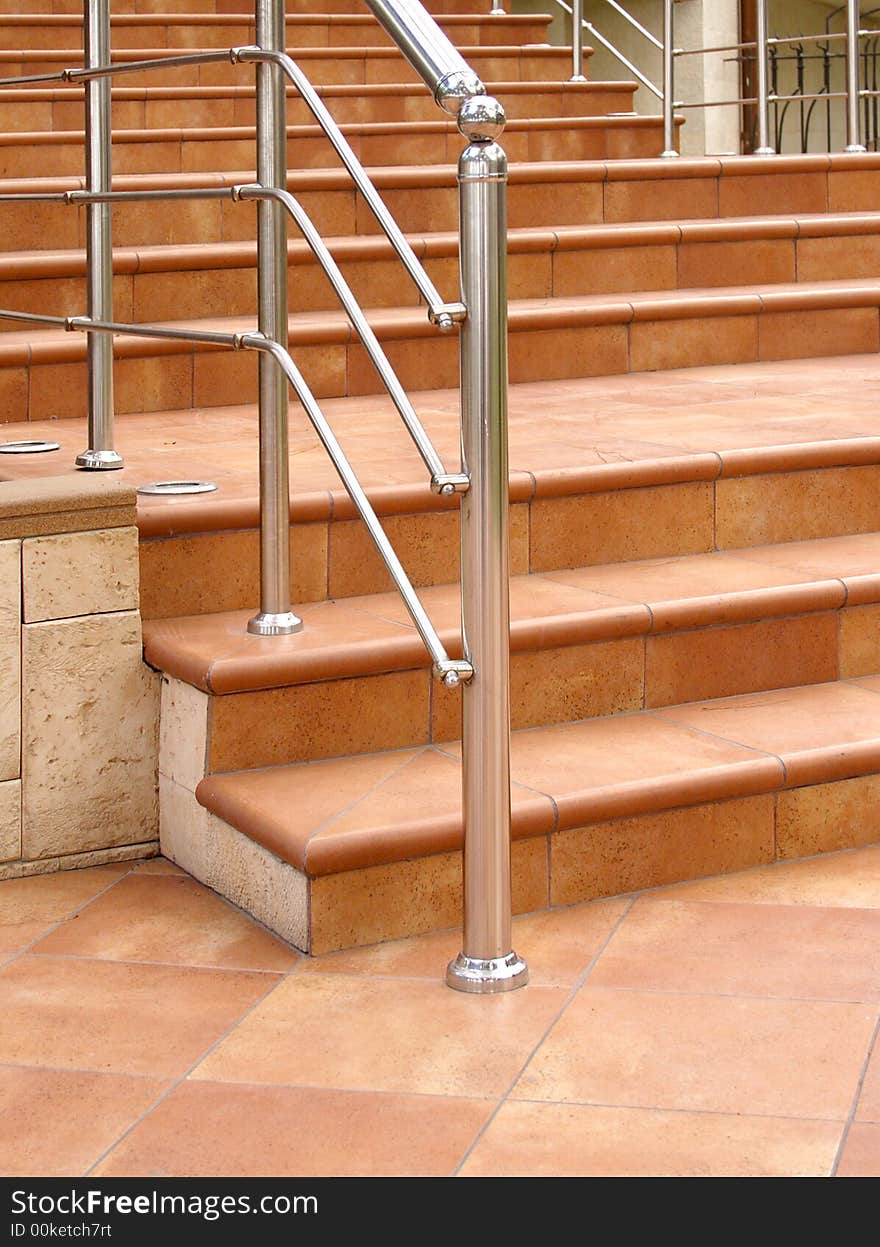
623,1057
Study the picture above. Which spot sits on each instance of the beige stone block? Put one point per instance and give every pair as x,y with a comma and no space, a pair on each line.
236,867
73,574
75,502
89,736
10,659
183,733
10,820
118,856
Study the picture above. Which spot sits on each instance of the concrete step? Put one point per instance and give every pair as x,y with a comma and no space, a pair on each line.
352,851
74,7
53,31
355,64
211,148
632,467
585,642
541,194
42,372
157,283
143,108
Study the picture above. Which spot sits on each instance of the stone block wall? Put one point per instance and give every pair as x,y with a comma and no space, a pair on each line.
79,709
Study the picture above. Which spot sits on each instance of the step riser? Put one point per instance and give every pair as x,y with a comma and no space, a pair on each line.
372,65
358,32
547,202
74,7
47,115
51,388
403,709
153,153
378,903
188,574
185,294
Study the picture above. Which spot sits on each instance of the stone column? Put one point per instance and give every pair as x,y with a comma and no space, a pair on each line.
78,706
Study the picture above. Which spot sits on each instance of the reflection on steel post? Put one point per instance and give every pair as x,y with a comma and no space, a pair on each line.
487,962
853,95
577,43
762,67
275,617
669,149
100,455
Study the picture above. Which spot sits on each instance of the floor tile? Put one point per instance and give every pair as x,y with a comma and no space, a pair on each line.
576,1140
119,1017
750,950
58,1123
356,1033
845,879
558,945
815,729
207,1129
157,866
169,918
29,907
868,1108
861,1153
722,1054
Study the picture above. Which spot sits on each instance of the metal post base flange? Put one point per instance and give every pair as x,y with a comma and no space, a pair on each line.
486,976
100,460
284,623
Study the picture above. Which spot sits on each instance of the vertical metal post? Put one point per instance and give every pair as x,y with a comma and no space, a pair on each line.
275,617
487,962
100,455
577,42
853,93
764,147
669,149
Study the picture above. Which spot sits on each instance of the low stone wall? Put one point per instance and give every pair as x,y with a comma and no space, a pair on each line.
79,709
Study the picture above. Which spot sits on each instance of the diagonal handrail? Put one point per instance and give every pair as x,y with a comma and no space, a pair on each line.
487,962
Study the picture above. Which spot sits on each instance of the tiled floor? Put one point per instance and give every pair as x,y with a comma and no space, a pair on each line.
670,415
723,1027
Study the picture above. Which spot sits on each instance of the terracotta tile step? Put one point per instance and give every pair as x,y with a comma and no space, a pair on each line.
414,142
218,30
357,64
155,283
550,194
366,635
74,7
585,642
139,107
550,339
369,847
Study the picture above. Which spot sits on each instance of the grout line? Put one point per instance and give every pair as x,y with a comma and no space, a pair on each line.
575,988
71,913
855,1101
185,1075
664,1108
170,965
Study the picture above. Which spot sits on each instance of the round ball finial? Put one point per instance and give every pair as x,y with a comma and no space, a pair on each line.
452,679
481,119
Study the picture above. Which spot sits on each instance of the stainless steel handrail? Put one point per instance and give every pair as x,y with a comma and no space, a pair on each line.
441,313
441,481
764,95
487,962
577,55
452,671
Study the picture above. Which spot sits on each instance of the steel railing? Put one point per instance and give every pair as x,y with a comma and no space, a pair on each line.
487,962
761,47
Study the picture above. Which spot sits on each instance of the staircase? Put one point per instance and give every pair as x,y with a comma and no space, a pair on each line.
695,460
